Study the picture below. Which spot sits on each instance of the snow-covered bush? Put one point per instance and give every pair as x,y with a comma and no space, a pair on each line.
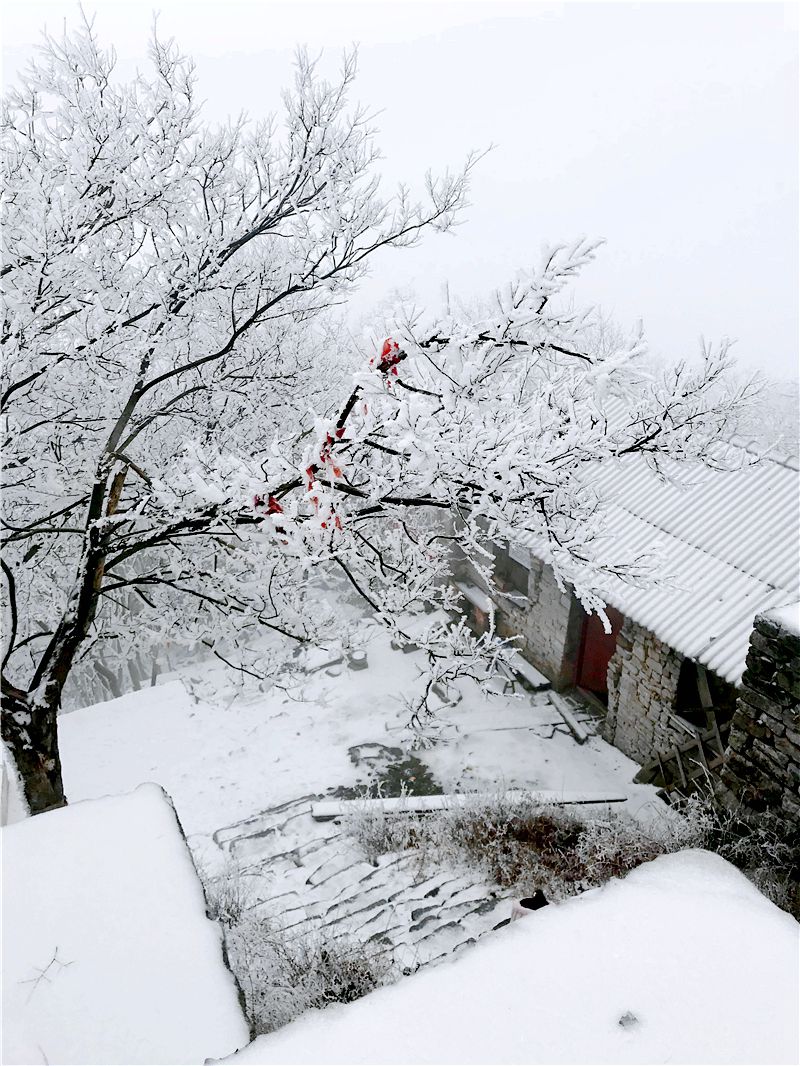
764,846
283,973
378,833
229,893
522,845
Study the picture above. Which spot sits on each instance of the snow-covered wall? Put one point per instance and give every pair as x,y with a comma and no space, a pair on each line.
762,765
108,954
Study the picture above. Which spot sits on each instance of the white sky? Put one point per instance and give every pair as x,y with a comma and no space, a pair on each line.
671,129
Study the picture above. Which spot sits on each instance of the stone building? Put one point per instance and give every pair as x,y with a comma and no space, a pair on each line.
673,663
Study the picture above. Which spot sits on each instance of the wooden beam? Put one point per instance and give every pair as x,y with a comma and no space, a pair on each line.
718,739
325,810
702,687
664,774
701,751
679,761
526,670
573,724
706,702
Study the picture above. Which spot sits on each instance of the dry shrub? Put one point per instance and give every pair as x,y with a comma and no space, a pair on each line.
285,972
517,843
380,833
521,845
613,846
228,894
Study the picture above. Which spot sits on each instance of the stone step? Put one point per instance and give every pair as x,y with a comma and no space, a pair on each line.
471,894
287,867
326,863
447,914
298,855
350,904
382,920
263,821
365,914
430,888
385,863
450,952
270,903
339,880
440,941
386,938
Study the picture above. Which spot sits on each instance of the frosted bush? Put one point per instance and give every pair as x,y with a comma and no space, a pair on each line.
284,973
228,894
521,845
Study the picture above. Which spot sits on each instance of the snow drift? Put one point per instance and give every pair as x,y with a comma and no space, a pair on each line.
682,961
108,956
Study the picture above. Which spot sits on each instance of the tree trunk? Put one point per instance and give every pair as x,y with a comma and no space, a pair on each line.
32,738
30,722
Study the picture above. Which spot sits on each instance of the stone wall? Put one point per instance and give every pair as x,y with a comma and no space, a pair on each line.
762,764
642,685
548,621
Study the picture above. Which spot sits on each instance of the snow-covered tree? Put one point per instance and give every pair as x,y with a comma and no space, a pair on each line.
188,437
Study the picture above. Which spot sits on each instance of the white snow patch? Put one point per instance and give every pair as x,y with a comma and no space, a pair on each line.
682,961
108,956
788,617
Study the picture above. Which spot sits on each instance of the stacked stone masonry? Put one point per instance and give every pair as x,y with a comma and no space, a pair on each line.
642,685
548,620
762,764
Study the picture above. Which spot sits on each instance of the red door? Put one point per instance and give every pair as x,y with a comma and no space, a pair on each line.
595,652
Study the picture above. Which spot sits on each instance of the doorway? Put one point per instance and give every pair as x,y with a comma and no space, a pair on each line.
595,651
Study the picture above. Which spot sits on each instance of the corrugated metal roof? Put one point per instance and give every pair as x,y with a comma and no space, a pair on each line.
729,539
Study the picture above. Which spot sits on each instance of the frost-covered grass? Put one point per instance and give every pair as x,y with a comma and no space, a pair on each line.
284,973
521,845
763,846
228,894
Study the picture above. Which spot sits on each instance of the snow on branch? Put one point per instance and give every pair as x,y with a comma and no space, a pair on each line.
192,437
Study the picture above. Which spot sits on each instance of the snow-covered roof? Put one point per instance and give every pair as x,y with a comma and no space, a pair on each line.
682,961
108,956
729,542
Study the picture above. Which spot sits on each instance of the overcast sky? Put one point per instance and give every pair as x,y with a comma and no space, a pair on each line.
669,129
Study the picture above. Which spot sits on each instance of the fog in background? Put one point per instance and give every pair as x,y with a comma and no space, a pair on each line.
669,129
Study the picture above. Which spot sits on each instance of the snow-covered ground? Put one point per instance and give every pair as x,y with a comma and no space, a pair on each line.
108,956
670,946
227,757
683,961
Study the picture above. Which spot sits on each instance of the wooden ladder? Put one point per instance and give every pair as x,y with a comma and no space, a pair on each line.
685,766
